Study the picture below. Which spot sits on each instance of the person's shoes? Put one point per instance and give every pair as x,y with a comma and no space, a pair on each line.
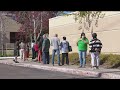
80,67
67,64
83,66
47,62
41,62
53,64
17,62
14,60
59,65
97,67
93,67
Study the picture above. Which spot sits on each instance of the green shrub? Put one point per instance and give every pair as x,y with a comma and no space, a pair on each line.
113,60
74,58
103,58
110,60
106,60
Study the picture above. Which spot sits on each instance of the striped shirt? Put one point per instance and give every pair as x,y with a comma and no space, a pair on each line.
95,45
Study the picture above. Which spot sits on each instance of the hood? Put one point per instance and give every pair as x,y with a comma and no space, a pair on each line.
64,41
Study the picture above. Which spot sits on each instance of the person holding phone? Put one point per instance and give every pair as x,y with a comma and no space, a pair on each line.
82,49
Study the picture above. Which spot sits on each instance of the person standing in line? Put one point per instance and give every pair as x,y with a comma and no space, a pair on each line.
64,48
36,47
26,51
18,46
45,49
40,41
82,48
33,51
22,50
95,50
55,43
16,51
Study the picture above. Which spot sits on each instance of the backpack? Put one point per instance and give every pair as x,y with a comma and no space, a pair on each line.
69,48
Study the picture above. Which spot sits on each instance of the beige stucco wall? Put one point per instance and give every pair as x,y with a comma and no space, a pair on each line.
108,31
10,26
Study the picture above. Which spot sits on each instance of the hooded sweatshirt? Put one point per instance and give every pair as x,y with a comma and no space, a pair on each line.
64,46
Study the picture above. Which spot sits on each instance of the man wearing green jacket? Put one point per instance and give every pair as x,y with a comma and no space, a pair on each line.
82,48
45,49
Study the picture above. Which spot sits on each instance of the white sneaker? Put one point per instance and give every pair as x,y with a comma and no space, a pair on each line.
93,67
97,67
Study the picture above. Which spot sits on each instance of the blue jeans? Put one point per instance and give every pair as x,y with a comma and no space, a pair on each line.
82,58
58,55
45,56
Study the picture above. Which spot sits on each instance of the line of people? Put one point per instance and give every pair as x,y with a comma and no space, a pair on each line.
21,49
95,46
40,49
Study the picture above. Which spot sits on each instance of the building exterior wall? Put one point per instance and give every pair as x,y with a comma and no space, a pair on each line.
9,26
108,31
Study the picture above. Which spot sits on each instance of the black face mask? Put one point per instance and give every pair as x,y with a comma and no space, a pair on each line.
94,37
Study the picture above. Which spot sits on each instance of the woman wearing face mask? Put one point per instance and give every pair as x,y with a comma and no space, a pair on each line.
82,48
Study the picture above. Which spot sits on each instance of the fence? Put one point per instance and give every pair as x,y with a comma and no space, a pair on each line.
8,49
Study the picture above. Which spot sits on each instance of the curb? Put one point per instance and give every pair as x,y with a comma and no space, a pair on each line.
4,58
67,70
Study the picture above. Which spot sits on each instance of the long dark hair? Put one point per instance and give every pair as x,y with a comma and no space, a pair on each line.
82,35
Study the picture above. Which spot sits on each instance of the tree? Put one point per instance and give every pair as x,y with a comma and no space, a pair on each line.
33,21
87,19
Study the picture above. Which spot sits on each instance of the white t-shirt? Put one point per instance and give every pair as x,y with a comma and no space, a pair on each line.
64,46
22,45
32,44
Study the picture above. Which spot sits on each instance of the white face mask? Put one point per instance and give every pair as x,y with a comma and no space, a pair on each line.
83,37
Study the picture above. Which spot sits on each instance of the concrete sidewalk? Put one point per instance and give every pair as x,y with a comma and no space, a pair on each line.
1,58
71,69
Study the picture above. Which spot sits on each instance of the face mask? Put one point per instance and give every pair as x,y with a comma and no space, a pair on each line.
83,37
94,37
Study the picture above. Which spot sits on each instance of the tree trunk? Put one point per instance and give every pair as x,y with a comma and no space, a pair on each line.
2,34
41,23
34,29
